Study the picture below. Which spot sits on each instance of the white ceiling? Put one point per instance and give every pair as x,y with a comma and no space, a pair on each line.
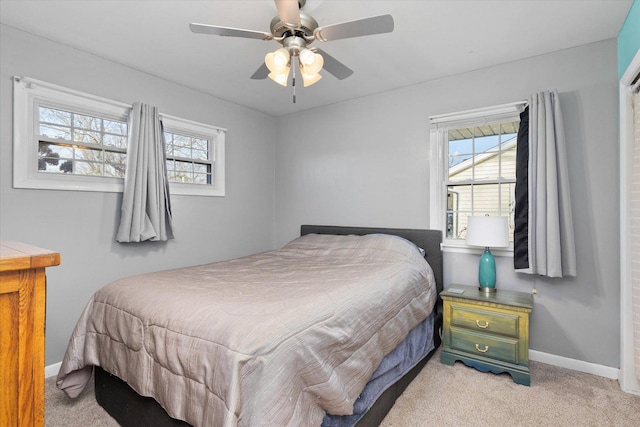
431,39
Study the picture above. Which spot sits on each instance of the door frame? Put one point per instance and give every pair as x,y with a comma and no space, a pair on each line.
628,380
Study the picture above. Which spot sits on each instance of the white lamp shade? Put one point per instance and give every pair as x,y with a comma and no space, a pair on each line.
315,66
307,57
310,79
280,77
487,231
277,61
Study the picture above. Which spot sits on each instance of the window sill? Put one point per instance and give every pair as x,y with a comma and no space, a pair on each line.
40,181
465,249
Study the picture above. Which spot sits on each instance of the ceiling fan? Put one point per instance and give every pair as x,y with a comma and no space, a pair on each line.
295,31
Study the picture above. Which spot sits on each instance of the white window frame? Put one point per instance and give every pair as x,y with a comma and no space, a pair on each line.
216,155
29,94
438,152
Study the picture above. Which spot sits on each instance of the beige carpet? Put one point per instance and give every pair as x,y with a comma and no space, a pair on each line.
450,396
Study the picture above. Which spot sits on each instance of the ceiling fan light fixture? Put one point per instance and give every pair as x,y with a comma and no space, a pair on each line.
280,77
309,79
315,66
278,61
307,57
281,57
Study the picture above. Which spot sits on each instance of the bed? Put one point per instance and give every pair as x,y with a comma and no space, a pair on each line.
335,352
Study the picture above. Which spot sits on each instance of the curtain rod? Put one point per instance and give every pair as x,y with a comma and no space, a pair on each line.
512,107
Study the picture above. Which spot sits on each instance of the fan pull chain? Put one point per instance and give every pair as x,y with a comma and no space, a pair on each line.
293,77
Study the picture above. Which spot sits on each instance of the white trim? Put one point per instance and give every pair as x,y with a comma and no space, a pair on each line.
217,155
437,199
28,93
438,153
495,113
52,370
628,380
536,356
574,364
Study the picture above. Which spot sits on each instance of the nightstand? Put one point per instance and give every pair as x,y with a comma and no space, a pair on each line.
489,332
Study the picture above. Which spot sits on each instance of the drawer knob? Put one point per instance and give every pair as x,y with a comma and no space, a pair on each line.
483,325
484,350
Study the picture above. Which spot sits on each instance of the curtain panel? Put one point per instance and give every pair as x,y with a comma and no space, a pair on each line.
146,205
543,238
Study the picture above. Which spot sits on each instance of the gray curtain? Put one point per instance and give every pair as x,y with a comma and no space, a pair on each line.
146,207
550,239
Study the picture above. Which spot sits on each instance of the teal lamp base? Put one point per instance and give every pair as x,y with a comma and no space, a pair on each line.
487,272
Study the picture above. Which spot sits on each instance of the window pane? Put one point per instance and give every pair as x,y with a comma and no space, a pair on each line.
200,144
201,178
199,155
88,154
508,201
460,168
87,137
117,159
52,150
57,132
118,128
87,168
114,169
200,168
49,115
115,141
487,156
182,152
87,122
458,201
181,141
183,172
486,199
460,146
508,156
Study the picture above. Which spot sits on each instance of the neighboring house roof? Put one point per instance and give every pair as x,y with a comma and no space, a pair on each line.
484,156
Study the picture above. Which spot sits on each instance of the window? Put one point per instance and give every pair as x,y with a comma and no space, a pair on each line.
195,157
473,168
69,140
188,158
80,144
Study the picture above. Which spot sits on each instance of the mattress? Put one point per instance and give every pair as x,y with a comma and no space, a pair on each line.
277,338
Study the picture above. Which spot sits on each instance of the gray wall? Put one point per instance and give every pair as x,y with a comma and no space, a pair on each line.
82,225
361,162
365,162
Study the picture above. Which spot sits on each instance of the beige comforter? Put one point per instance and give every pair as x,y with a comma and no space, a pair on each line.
273,339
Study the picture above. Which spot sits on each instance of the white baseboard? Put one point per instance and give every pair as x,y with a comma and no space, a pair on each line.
574,364
52,370
536,356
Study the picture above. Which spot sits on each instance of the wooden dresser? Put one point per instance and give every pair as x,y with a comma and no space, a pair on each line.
489,332
22,323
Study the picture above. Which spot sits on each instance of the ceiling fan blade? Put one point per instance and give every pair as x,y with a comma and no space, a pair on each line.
360,27
261,73
229,32
289,12
333,66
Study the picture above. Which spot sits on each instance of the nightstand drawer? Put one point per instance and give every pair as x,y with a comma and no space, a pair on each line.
489,346
480,320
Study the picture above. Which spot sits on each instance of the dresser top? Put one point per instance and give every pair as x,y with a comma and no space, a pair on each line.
512,298
20,256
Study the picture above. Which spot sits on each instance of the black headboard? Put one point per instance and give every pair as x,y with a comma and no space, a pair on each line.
429,240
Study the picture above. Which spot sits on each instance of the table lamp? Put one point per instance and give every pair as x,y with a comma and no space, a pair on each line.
487,231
